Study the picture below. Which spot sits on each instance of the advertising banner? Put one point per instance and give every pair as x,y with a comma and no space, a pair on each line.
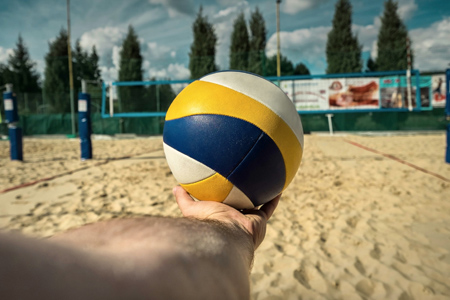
438,88
394,91
309,94
353,93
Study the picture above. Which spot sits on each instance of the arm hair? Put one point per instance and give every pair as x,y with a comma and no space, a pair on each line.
153,257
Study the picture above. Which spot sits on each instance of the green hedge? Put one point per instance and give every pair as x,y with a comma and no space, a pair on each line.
376,121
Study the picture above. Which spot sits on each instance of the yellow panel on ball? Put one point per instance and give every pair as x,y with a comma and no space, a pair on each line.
214,188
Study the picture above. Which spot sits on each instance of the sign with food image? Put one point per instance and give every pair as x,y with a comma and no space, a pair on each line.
394,92
438,90
354,93
307,94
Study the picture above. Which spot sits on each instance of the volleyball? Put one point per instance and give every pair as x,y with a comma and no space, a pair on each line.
233,137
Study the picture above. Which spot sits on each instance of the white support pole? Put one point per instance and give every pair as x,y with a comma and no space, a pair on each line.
408,75
83,86
278,42
111,101
330,124
9,87
69,53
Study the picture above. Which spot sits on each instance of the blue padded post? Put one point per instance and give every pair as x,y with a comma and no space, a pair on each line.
10,104
84,125
15,139
12,118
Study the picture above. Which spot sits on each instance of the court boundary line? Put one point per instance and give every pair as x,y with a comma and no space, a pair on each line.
398,160
69,172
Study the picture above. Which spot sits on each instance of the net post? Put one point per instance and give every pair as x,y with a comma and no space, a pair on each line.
447,113
84,125
103,98
12,118
111,101
408,75
330,124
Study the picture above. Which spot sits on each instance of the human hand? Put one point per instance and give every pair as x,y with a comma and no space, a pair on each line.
253,221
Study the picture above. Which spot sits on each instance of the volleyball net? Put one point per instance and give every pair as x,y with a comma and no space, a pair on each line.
131,99
311,94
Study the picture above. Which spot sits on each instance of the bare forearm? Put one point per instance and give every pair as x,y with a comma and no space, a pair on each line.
36,269
184,257
164,258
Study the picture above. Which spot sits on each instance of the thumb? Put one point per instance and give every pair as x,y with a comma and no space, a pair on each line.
185,202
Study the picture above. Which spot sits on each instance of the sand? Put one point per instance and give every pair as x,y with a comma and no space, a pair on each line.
354,224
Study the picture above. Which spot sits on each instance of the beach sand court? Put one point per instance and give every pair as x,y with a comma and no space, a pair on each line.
364,218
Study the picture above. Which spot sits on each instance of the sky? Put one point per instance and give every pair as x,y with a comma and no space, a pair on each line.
164,28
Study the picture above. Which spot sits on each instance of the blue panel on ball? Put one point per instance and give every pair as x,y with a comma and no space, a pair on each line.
219,142
261,174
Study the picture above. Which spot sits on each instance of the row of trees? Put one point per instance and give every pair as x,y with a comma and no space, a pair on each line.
56,83
344,51
20,70
247,52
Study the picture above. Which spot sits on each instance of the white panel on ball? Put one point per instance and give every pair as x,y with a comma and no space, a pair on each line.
184,168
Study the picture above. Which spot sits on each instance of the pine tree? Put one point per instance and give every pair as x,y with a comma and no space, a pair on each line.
85,64
56,85
392,39
301,69
131,98
94,69
25,79
257,55
343,49
286,66
21,72
79,65
6,76
3,76
239,47
371,65
203,49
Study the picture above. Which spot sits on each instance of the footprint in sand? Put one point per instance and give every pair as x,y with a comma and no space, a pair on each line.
352,222
376,252
365,288
302,277
359,266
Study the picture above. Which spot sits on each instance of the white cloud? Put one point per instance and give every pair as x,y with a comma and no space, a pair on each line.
104,39
366,35
406,9
374,51
176,7
111,72
146,65
308,45
294,6
155,51
116,55
223,26
146,17
158,59
108,73
4,54
228,2
173,71
302,45
430,46
40,67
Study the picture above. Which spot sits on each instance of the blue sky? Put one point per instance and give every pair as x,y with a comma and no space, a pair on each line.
164,29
